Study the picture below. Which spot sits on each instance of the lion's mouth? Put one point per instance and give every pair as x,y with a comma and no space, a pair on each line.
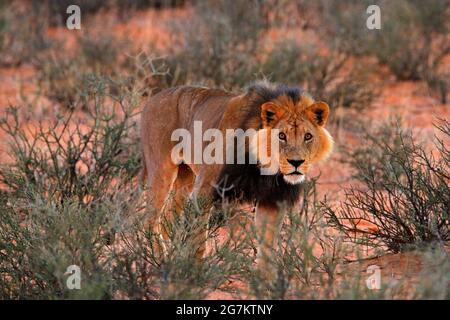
295,173
295,177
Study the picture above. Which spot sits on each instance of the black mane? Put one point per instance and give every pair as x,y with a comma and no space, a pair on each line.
265,91
244,182
261,92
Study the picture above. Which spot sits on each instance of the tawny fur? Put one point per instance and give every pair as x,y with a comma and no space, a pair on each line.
262,106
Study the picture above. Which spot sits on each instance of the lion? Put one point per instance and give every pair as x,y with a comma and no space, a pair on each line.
302,138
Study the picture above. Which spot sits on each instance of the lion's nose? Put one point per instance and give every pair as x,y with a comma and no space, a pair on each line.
295,163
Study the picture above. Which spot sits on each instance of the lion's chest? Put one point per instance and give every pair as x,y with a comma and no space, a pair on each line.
244,183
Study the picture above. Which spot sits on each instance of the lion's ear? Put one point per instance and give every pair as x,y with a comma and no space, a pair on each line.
270,113
318,113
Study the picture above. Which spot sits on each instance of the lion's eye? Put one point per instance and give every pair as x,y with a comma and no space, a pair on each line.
282,136
308,136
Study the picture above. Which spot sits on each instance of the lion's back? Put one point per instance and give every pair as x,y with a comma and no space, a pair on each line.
178,107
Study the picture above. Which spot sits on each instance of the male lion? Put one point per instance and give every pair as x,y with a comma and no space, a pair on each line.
303,141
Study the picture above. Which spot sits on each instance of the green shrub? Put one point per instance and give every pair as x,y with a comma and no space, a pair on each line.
53,215
218,43
61,76
412,40
23,34
74,158
300,268
403,191
57,15
70,196
64,77
61,198
326,76
345,25
434,279
426,26
40,239
315,262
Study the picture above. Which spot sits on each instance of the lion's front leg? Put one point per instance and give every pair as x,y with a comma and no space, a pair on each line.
268,224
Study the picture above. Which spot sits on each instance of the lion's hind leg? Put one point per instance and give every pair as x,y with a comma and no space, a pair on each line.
182,187
169,187
184,203
161,179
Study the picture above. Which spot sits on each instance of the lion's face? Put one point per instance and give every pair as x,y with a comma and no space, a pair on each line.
303,140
